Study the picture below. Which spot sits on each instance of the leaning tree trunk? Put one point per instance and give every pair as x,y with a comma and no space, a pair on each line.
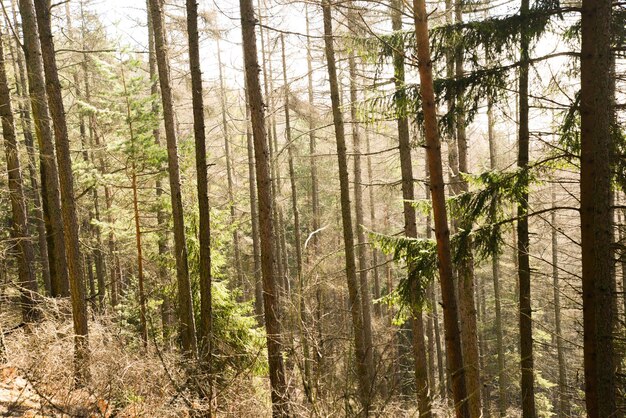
364,373
596,114
280,396
25,254
66,182
51,201
185,303
442,232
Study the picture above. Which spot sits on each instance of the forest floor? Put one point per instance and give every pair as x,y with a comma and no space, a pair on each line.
19,398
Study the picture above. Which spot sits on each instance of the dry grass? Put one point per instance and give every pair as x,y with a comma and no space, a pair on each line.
126,380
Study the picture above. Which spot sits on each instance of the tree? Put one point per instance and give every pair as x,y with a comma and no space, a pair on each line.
25,254
596,130
21,91
185,304
51,201
280,396
523,257
410,221
66,182
301,304
363,357
465,269
440,216
203,188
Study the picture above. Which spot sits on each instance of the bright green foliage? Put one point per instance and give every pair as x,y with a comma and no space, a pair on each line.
238,342
480,210
135,108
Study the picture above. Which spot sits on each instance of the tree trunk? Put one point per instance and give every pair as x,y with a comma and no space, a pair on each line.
51,201
185,303
596,112
25,120
525,310
25,254
315,204
66,182
410,222
495,271
280,396
203,188
442,232
302,322
372,206
364,289
563,407
467,306
162,240
93,140
133,168
363,365
254,220
229,174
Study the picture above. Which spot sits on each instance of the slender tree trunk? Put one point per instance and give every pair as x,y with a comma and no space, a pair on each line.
363,365
25,254
364,288
432,295
133,174
563,407
162,240
93,140
275,190
280,396
442,232
229,174
26,123
315,205
203,188
466,291
66,182
596,111
51,201
495,272
525,309
254,220
302,322
185,304
372,206
410,222
115,279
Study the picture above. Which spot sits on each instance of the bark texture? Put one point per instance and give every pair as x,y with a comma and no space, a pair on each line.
596,105
185,306
280,398
440,216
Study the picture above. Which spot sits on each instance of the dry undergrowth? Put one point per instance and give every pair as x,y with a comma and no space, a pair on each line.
126,380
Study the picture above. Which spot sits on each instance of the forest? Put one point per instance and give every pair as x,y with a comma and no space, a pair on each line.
313,208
